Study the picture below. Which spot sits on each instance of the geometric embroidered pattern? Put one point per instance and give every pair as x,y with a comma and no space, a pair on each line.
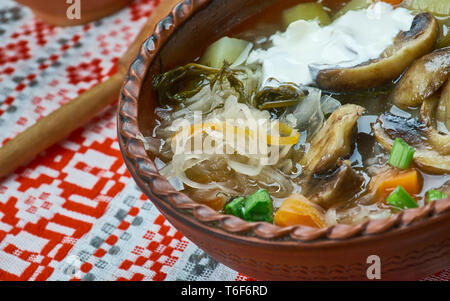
73,212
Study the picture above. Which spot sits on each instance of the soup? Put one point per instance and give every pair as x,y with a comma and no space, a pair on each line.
313,114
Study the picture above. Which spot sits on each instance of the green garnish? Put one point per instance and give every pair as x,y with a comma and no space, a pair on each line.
235,207
401,154
256,207
434,195
401,199
179,84
284,95
182,83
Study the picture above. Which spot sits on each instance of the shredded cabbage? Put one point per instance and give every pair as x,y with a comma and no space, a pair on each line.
309,115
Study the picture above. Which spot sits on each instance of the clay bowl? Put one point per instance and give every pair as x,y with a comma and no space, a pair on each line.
410,245
55,12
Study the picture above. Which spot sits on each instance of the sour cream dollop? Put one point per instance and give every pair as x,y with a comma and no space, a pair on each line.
305,48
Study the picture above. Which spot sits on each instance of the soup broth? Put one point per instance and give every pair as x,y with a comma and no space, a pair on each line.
336,160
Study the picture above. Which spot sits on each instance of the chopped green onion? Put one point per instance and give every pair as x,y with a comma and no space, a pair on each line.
401,154
401,199
235,207
434,195
258,207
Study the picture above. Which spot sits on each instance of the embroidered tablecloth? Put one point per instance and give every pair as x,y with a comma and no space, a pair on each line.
74,212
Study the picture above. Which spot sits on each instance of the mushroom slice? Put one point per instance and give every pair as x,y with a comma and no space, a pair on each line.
425,76
407,46
443,114
439,141
342,185
432,148
333,140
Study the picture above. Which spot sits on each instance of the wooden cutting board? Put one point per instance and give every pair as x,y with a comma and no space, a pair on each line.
77,112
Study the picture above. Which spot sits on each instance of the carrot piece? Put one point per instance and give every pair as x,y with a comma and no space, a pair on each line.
297,210
393,2
291,139
386,182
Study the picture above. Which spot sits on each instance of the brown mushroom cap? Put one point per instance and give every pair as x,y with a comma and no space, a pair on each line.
334,139
408,46
425,76
432,148
445,104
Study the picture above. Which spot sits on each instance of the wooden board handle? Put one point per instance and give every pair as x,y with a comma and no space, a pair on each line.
59,124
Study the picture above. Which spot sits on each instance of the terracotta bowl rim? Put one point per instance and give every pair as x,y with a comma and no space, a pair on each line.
178,205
